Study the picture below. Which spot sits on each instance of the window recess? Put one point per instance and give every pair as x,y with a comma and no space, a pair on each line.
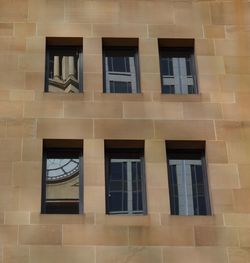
120,66
125,178
177,66
62,180
188,184
63,65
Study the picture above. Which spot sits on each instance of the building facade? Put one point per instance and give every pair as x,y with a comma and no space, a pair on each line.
124,131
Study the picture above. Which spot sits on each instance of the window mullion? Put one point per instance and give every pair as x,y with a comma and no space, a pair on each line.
129,187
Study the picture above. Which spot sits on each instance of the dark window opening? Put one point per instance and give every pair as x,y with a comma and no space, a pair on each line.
170,89
120,87
177,66
62,177
63,65
125,180
188,186
120,67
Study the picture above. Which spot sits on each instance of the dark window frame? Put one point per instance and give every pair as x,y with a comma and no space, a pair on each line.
188,154
125,153
129,49
62,152
61,49
170,52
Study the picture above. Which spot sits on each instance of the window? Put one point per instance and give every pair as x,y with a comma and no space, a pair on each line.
63,65
188,186
62,177
120,66
177,67
125,179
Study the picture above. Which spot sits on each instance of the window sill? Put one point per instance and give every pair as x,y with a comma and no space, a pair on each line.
38,218
167,219
122,96
128,220
181,97
64,96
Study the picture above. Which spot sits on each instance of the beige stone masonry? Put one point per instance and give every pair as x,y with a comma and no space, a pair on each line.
219,115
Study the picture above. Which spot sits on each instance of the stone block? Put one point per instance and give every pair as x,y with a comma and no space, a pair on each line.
13,254
214,31
216,236
211,65
64,254
223,176
95,235
137,254
184,130
92,12
92,63
123,129
37,218
10,149
25,29
27,173
222,201
32,150
64,128
92,110
9,198
201,111
8,235
30,199
149,64
120,30
6,29
16,218
11,109
161,236
43,109
128,220
241,197
5,173
40,235
216,152
94,199
62,30
195,255
152,110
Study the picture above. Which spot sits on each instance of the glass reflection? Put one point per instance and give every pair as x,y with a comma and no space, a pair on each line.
62,179
120,71
64,71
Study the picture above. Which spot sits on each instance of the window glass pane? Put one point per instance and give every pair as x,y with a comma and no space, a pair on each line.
202,206
116,170
120,87
173,190
177,72
167,66
125,186
137,186
120,71
191,89
198,190
118,202
117,186
62,178
63,69
137,202
168,89
61,182
188,193
118,64
189,66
